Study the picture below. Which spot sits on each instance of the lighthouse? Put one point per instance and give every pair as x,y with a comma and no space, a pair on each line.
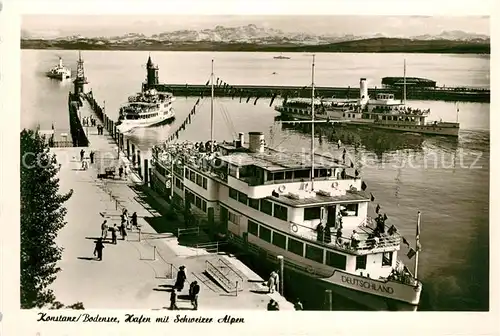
80,80
152,75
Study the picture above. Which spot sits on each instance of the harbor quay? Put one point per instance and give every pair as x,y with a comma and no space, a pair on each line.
140,271
252,92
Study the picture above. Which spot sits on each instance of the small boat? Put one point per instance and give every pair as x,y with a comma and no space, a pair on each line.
148,107
281,57
59,72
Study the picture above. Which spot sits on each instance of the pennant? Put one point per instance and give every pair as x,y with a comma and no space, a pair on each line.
255,102
385,217
240,98
352,164
406,242
198,101
377,209
392,230
411,253
248,99
272,99
356,173
208,82
372,197
363,186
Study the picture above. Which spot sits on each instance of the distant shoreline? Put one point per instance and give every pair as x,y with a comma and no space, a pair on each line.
381,45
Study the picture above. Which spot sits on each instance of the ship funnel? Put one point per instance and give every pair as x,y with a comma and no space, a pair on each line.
256,142
60,62
241,140
363,90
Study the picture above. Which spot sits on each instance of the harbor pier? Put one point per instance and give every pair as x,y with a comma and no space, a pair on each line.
458,94
139,272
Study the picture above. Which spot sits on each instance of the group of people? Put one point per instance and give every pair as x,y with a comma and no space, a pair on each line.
194,290
85,164
106,229
89,121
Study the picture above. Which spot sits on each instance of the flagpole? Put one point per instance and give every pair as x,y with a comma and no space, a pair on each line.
312,126
212,110
417,245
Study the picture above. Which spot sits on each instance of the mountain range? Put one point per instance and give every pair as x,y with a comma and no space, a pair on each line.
250,33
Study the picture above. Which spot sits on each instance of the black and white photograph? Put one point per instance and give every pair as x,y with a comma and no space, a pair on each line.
236,163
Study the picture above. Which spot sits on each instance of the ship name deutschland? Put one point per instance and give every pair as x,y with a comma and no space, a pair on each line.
367,284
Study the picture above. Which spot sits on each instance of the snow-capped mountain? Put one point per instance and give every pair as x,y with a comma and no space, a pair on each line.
253,34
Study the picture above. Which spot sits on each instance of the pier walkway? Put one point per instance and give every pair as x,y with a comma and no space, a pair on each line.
136,273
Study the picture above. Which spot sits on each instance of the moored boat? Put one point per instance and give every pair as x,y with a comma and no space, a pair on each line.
311,209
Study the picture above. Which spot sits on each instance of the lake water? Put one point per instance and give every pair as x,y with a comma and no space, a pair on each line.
447,180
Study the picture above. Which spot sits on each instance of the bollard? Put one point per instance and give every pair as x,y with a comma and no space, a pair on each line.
328,299
116,204
281,261
236,288
171,271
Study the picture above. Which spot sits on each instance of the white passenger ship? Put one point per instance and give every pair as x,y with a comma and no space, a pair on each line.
383,112
59,72
148,107
265,200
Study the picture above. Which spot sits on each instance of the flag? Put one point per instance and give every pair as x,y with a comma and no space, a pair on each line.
385,217
406,242
377,209
372,197
208,82
411,253
363,186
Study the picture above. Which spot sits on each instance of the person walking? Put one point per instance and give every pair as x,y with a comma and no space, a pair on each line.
113,234
99,246
195,290
173,300
104,229
181,278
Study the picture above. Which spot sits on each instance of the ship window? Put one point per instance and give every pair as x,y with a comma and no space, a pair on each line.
288,175
198,180
295,246
253,228
192,176
233,193
266,207
302,174
177,183
312,213
254,203
387,259
349,210
280,212
204,205
198,202
279,240
361,262
265,234
314,253
336,260
204,183
243,198
234,218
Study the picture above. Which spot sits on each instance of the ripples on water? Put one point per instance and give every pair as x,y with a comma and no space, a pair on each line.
446,179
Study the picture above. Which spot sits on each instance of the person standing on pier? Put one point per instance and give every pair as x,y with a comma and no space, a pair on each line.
113,234
134,220
125,217
120,171
123,230
194,295
271,283
92,153
181,278
99,246
82,153
173,299
104,229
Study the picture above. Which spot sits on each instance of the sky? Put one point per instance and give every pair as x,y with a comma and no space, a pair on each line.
397,26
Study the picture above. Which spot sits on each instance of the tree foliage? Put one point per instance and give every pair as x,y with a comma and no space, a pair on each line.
42,216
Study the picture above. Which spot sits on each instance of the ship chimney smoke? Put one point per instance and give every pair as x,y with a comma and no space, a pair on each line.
256,142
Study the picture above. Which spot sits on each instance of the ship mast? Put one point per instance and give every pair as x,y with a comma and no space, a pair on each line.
404,82
312,126
212,110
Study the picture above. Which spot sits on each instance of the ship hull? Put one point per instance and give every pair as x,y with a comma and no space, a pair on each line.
369,293
128,125
59,76
422,129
